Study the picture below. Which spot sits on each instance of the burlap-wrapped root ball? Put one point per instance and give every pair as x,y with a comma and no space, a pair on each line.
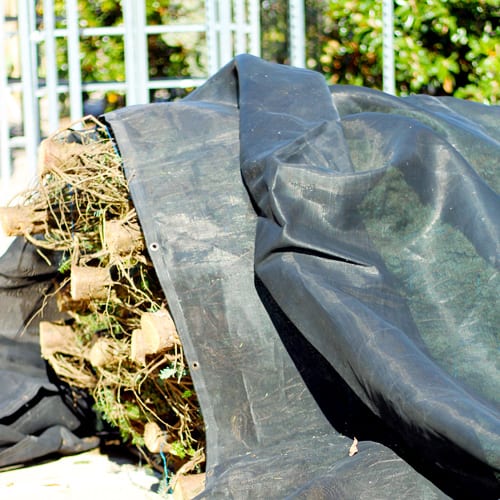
119,341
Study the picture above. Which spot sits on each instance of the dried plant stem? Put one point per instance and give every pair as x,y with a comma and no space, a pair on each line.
81,198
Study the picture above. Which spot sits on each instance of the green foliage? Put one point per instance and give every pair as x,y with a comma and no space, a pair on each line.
456,313
122,415
274,26
103,56
173,370
181,450
168,372
64,266
449,48
91,324
187,394
350,48
442,47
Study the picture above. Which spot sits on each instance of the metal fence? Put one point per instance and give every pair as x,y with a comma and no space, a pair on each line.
32,34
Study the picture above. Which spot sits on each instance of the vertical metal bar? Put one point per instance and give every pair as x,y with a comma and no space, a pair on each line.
254,11
129,46
5,163
50,64
241,25
75,74
31,121
226,41
142,64
212,36
388,74
136,64
297,33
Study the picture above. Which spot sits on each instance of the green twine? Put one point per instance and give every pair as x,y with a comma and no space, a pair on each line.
166,473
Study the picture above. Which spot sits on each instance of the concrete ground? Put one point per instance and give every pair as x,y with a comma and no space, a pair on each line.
87,476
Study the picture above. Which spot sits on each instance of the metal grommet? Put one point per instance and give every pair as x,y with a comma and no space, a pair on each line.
196,365
154,246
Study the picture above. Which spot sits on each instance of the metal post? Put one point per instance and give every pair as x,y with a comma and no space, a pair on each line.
240,30
388,74
75,74
212,38
50,64
226,39
5,163
26,17
297,33
254,12
136,54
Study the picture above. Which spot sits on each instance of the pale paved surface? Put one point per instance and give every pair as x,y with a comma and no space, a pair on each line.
87,476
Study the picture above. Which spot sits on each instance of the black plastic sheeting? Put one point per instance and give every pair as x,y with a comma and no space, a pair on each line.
38,416
330,257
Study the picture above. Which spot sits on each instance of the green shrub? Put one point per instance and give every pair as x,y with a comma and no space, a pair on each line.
442,47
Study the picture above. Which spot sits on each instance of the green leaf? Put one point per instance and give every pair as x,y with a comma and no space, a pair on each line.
168,372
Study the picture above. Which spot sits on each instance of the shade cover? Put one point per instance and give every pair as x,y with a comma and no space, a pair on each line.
330,258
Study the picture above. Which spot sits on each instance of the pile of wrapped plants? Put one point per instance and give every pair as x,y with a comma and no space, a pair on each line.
119,342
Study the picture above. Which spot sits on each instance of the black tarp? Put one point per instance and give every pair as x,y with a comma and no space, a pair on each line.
330,257
38,414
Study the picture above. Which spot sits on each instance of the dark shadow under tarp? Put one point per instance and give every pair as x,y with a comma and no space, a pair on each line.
330,257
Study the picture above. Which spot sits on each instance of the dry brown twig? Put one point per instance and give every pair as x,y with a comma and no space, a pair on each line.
81,208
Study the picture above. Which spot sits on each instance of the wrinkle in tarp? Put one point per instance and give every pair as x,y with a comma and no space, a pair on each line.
330,257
